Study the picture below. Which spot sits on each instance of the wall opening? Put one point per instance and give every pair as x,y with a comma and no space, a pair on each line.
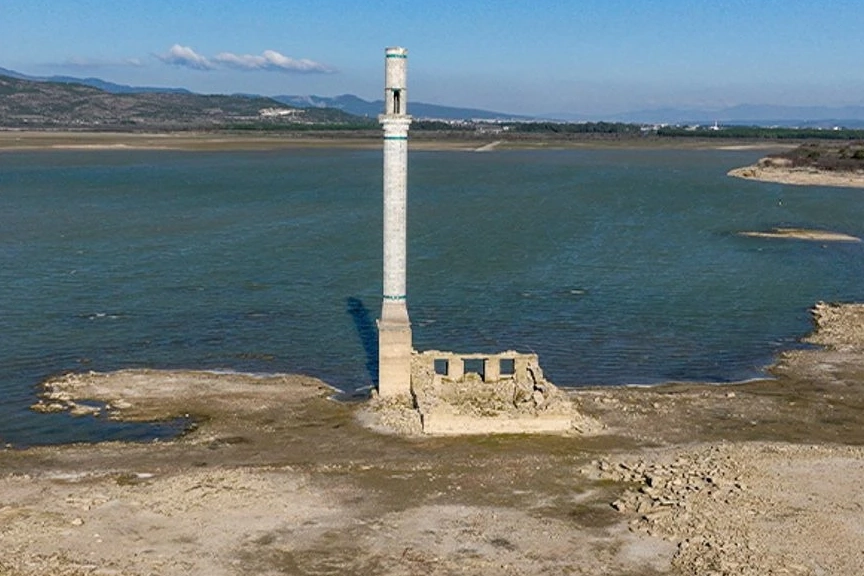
475,366
507,366
442,366
397,104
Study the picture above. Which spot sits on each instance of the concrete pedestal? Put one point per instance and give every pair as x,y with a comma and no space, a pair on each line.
394,358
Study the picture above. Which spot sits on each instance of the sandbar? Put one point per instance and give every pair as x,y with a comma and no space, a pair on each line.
802,234
800,176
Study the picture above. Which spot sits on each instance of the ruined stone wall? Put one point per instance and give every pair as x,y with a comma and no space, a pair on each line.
495,367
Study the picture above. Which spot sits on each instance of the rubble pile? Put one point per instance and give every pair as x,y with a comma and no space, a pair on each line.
838,326
701,501
531,394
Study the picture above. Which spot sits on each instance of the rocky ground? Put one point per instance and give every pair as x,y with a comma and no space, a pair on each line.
749,509
755,478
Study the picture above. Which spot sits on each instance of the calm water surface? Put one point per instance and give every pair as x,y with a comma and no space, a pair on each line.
616,266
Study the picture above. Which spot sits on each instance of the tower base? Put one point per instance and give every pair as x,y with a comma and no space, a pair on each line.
394,358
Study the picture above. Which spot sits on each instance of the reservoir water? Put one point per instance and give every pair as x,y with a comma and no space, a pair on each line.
616,266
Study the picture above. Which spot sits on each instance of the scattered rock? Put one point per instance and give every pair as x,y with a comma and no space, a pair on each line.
76,409
838,326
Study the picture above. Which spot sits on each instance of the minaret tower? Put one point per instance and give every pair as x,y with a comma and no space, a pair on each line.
394,329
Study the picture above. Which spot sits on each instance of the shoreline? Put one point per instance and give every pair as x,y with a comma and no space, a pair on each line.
799,176
754,477
12,140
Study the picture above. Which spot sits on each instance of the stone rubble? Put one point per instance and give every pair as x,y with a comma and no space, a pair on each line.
470,396
391,415
57,396
838,326
530,394
701,501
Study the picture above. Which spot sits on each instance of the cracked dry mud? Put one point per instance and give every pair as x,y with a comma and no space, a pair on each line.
755,478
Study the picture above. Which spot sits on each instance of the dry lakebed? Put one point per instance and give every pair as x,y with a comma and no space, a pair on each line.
759,478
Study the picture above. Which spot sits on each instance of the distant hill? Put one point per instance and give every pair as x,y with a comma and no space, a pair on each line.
745,114
110,87
421,110
346,102
43,104
752,115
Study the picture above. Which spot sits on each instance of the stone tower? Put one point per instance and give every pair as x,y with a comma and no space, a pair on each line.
394,328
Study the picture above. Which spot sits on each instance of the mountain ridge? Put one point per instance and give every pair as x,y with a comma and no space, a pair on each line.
346,102
851,116
110,87
371,108
42,104
740,114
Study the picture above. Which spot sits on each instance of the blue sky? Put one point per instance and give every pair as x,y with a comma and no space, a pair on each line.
590,56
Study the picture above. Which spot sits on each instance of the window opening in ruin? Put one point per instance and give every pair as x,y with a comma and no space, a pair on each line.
507,367
476,366
442,366
396,104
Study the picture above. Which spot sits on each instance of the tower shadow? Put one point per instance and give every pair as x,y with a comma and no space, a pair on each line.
368,333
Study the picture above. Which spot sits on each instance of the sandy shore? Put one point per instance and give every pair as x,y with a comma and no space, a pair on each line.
12,140
756,478
799,176
191,141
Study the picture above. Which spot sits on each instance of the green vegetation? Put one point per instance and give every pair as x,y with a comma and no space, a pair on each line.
431,126
575,128
761,133
51,105
265,126
840,157
26,104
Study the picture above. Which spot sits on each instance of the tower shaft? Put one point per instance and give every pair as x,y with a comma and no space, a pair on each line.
394,328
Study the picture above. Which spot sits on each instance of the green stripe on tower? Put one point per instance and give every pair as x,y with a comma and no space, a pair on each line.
397,56
395,137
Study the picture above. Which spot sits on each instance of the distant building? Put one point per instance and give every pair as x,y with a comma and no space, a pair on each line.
279,112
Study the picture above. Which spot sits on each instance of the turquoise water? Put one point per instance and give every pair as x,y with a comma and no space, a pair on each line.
616,266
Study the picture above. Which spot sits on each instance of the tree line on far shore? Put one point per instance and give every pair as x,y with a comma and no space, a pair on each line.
564,130
833,156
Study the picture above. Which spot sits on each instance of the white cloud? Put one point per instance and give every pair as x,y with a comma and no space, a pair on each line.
269,60
77,62
184,56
